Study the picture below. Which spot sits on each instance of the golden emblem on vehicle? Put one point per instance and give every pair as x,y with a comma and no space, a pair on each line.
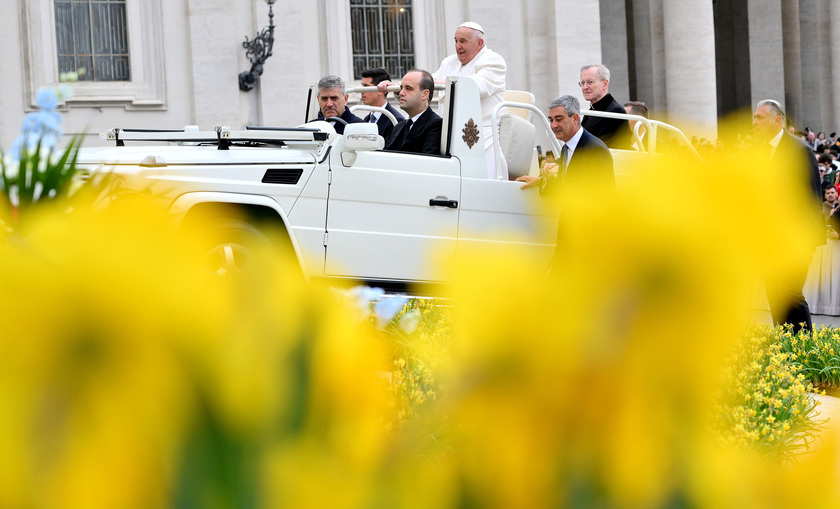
470,133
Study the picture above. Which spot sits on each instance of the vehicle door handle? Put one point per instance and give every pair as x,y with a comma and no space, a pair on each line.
441,201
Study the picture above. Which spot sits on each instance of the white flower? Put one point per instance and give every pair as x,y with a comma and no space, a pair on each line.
409,321
11,166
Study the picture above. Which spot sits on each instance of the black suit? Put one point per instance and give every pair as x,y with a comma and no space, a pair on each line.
787,303
383,123
422,138
347,116
590,161
614,132
590,170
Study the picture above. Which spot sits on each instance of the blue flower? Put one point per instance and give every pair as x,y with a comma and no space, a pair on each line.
47,99
387,308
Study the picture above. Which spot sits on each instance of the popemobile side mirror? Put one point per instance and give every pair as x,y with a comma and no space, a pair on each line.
360,137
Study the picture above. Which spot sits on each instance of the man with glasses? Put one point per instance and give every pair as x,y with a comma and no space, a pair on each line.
595,83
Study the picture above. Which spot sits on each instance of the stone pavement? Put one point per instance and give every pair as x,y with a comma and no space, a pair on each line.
763,316
829,409
818,320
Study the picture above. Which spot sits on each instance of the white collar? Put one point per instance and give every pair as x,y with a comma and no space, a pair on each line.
774,142
573,142
415,117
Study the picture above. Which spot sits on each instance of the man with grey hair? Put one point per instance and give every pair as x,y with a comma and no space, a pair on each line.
594,84
585,164
583,158
784,291
333,103
474,59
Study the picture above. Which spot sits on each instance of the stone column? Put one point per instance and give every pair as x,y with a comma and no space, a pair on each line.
766,51
542,52
792,62
577,28
827,95
834,29
649,55
810,61
614,48
690,67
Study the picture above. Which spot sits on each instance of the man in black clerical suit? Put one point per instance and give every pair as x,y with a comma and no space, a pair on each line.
594,84
333,102
371,78
421,132
784,294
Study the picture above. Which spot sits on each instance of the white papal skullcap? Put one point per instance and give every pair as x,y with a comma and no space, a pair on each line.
471,24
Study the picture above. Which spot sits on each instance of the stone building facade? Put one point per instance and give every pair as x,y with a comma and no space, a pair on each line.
691,61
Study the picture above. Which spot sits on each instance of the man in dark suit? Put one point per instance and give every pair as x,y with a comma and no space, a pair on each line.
333,102
637,108
585,164
421,132
371,78
784,294
594,84
584,157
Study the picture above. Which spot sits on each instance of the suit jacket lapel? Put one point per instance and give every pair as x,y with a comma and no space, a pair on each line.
575,155
417,127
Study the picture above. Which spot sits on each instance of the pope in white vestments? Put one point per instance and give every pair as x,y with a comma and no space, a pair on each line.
472,58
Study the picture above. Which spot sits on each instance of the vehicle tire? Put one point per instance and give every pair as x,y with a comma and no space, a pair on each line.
233,245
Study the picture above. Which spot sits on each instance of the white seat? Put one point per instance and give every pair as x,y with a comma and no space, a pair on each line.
520,96
517,137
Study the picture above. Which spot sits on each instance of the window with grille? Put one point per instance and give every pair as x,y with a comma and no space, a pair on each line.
383,36
92,34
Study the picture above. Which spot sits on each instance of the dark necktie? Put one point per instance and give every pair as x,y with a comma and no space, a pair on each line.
372,118
403,135
564,159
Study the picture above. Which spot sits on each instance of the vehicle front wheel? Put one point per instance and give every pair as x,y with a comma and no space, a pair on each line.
233,245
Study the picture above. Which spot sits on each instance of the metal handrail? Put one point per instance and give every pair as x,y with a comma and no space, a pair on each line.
626,116
651,125
392,88
497,149
365,107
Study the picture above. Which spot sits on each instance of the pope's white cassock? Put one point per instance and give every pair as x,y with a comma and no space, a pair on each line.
488,69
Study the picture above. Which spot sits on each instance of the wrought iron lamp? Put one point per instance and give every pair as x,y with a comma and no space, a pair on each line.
258,50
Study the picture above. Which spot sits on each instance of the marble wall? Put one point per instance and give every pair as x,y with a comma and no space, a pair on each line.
665,53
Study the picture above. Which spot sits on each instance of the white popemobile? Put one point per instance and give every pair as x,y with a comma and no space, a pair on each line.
347,208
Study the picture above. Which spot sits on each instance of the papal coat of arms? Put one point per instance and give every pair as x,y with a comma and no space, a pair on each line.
470,133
